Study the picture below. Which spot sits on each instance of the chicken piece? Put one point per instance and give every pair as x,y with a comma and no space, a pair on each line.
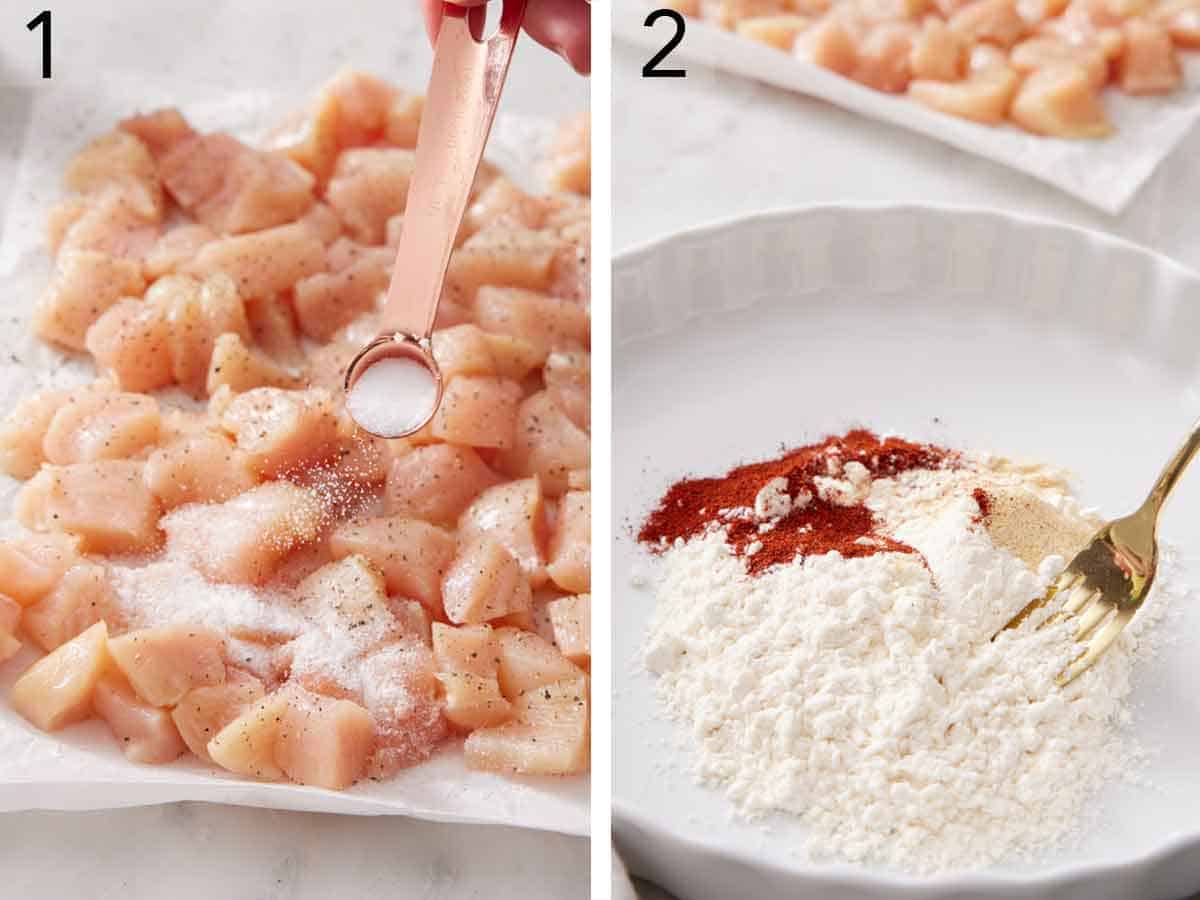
989,21
10,621
830,44
412,555
323,742
22,432
163,664
283,431
527,661
548,444
243,369
369,186
1044,52
263,263
359,459
103,502
61,217
83,286
30,568
478,411
175,247
345,596
503,201
196,313
246,746
414,619
571,618
1105,13
570,160
467,662
400,691
938,54
81,598
471,649
568,379
463,350
328,301
513,357
548,734
200,468
1060,101
131,343
243,540
94,425
514,515
483,582
729,12
570,554
1149,64
110,224
502,255
547,323
57,690
404,120
883,57
145,732
204,711
436,483
233,188
984,96
1181,18
273,329
159,130
118,160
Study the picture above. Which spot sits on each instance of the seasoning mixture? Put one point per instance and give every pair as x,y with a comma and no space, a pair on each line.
211,556
823,629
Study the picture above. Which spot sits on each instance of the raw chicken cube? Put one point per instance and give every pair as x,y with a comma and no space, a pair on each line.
175,248
10,620
262,263
24,428
829,44
514,515
246,746
571,618
528,661
513,357
118,159
570,160
283,431
60,219
84,285
243,369
504,201
401,692
547,323
105,503
413,618
81,598
1149,64
369,186
202,468
436,483
131,342
1060,101
990,21
729,12
568,379
883,59
328,301
94,425
412,555
470,649
243,540
1045,52
204,711
323,222
196,314
502,255
163,664
483,582
145,732
463,350
30,568
478,411
57,690
1181,18
347,595
548,444
547,736
570,555
109,224
404,120
983,97
473,701
322,741
159,130
938,54
273,329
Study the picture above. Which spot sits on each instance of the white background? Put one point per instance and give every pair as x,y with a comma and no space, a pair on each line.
193,850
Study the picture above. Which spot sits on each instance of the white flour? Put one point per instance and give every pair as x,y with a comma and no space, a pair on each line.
866,696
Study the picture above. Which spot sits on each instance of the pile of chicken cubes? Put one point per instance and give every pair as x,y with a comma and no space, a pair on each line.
1041,64
440,583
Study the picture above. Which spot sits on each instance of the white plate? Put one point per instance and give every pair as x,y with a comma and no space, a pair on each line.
966,328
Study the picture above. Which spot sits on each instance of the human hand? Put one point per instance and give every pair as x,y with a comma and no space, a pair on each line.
564,26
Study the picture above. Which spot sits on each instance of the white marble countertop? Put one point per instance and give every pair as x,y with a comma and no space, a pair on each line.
194,850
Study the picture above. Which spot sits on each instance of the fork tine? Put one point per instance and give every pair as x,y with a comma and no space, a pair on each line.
1091,616
1080,596
1098,644
1064,582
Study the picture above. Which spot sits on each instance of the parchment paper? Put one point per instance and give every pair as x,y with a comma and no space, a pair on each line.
1105,174
82,767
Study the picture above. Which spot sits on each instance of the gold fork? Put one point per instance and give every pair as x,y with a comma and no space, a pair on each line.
1110,578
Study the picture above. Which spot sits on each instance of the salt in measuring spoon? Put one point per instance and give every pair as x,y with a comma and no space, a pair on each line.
400,397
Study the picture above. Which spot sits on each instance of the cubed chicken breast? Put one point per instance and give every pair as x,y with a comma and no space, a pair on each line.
1046,52
283,431
130,342
322,741
94,425
884,54
370,185
984,96
200,468
503,254
23,429
463,350
570,554
246,746
571,619
1181,18
436,483
779,32
175,247
204,711
473,701
83,286
548,444
527,661
1061,101
412,555
503,201
548,734
328,301
243,540
938,54
31,567
484,582
110,224
514,515
146,733
348,595
118,160
82,597
1149,63
568,379
991,22
163,664
478,411
159,130
830,44
242,368
547,323
104,503
197,313
56,691
471,649
401,692
262,263
273,329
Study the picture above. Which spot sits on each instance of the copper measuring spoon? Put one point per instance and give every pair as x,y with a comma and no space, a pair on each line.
460,104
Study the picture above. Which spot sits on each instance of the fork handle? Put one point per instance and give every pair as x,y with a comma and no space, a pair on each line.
1171,473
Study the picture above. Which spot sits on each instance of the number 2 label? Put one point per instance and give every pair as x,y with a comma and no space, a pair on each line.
650,69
